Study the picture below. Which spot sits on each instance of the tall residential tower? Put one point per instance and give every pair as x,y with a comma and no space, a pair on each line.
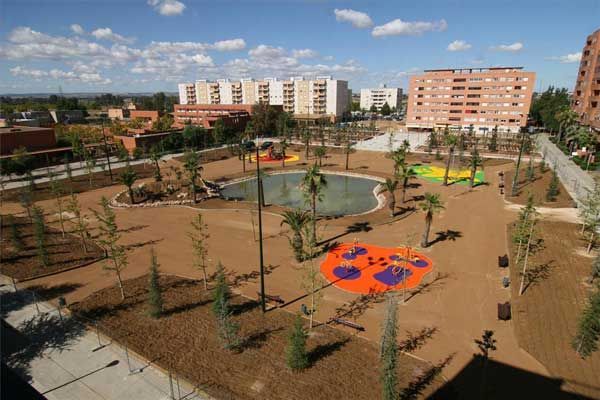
586,96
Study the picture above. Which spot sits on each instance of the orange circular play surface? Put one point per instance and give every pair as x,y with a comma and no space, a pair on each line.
364,268
266,158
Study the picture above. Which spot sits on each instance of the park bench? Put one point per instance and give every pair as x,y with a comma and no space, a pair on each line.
274,299
347,323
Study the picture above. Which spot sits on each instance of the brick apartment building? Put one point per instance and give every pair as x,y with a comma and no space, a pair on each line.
459,98
586,95
235,116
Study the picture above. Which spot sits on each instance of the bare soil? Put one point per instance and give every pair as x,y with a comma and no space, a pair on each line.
546,315
343,366
537,188
63,253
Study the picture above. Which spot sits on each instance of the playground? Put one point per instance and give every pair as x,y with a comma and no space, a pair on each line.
436,174
272,156
367,269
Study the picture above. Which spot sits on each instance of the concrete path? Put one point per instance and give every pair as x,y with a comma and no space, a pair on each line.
63,360
570,215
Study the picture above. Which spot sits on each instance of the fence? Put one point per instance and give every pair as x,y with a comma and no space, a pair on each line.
71,325
577,182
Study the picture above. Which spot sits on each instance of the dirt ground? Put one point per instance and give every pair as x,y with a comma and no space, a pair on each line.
546,314
537,188
63,253
458,299
185,340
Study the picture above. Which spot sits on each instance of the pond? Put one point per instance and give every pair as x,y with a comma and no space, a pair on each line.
343,194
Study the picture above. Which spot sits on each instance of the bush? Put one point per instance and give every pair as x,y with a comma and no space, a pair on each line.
296,356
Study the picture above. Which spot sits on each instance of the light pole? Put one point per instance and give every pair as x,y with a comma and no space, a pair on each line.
260,243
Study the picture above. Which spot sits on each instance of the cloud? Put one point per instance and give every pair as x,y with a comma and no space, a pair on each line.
167,8
108,34
230,45
398,27
514,48
459,45
265,52
85,77
77,29
358,19
567,58
304,53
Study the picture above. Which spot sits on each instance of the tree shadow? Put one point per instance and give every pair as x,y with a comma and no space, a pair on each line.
44,333
239,279
418,197
14,301
536,274
416,387
257,339
404,211
322,351
436,283
185,307
133,228
237,309
142,244
359,305
352,228
415,341
448,234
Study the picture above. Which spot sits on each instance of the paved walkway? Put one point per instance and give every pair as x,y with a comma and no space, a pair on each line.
65,361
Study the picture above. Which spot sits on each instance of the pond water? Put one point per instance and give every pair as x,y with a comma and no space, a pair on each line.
343,195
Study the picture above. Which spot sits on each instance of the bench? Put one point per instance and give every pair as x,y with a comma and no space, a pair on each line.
347,323
275,299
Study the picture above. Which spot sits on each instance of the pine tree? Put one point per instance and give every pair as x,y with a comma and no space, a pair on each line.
588,331
296,356
553,189
155,299
199,238
227,330
15,234
543,164
40,235
389,351
595,270
109,239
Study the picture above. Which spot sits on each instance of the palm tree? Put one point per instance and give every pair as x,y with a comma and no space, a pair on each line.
399,159
312,184
566,118
320,152
405,173
128,178
390,187
451,142
430,205
476,161
296,220
306,136
348,149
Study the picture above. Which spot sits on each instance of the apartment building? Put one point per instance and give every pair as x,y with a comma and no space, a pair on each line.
304,98
459,98
586,95
378,97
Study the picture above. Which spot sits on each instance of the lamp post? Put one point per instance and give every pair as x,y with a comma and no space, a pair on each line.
260,238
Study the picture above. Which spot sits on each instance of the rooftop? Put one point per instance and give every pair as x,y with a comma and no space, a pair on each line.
470,70
23,129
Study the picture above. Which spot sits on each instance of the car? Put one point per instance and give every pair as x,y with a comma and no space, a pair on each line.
249,145
266,145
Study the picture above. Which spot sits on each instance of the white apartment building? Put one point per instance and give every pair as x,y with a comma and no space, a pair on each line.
321,96
378,97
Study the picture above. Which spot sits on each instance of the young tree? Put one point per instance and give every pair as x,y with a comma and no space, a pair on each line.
313,184
109,240
532,222
90,165
476,162
430,205
68,171
389,351
515,182
199,236
553,188
155,157
320,152
530,172
451,142
15,234
57,190
521,232
390,187
493,145
296,356
312,282
296,220
155,299
227,330
81,225
348,149
585,341
40,235
595,270
191,163
128,178
26,201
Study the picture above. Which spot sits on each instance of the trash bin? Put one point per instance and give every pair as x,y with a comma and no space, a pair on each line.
504,313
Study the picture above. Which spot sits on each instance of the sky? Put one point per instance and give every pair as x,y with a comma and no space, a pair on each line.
151,45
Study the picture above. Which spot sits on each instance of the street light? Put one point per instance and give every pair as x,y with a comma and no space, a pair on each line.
260,238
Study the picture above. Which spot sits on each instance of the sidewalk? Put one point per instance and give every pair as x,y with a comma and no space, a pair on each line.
63,360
